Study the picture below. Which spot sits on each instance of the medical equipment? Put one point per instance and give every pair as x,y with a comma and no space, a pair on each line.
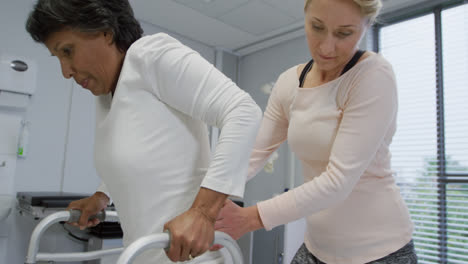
23,142
151,241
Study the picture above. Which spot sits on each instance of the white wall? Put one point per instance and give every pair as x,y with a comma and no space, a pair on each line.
62,124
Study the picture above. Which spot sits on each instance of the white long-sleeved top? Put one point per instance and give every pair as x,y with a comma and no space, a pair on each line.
151,148
341,132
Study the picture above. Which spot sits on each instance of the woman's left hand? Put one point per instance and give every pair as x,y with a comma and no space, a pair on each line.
192,233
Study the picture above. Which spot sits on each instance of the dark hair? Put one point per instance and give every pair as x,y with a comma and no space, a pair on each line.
50,16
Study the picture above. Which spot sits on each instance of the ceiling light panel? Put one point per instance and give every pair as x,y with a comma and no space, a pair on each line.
257,18
213,8
293,8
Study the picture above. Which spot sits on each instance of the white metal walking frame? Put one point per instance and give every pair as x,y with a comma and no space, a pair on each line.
232,252
162,240
70,216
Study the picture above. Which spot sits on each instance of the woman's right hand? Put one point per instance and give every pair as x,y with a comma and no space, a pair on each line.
89,206
237,221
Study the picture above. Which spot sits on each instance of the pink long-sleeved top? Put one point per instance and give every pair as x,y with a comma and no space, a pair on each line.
341,132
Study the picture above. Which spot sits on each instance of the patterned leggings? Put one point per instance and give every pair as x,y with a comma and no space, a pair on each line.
405,255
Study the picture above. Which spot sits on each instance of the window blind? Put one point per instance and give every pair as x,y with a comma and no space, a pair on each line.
454,25
455,58
430,148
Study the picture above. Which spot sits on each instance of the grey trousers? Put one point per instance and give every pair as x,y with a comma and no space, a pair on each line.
405,255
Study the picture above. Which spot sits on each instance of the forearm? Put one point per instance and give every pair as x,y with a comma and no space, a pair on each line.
269,138
209,202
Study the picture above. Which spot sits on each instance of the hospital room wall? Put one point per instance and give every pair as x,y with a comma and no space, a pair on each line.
62,119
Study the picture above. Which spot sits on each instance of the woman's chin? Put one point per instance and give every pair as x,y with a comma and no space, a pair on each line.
96,92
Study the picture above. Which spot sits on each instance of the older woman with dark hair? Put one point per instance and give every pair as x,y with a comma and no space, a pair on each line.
155,98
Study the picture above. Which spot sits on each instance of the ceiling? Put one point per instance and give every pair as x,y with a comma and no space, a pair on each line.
239,26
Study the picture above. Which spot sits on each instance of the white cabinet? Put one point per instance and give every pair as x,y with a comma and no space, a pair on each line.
17,81
10,126
9,131
8,142
17,74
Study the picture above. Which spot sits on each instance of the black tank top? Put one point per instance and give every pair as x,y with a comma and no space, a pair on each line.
348,66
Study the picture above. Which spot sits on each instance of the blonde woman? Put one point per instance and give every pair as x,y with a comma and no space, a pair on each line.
338,113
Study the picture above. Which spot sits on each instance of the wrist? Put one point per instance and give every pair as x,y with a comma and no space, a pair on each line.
102,197
209,202
255,221
208,217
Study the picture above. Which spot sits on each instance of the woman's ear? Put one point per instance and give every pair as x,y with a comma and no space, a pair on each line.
109,37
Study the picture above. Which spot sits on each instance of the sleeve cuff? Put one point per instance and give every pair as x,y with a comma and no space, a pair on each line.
278,210
108,196
230,188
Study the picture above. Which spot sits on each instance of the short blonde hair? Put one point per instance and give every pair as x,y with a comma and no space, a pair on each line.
369,8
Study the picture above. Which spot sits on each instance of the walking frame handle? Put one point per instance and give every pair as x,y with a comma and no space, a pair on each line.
70,216
162,240
76,214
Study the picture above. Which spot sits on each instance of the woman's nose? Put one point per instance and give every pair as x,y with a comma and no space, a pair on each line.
67,69
327,46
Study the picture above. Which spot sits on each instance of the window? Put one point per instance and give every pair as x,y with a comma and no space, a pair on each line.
429,54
